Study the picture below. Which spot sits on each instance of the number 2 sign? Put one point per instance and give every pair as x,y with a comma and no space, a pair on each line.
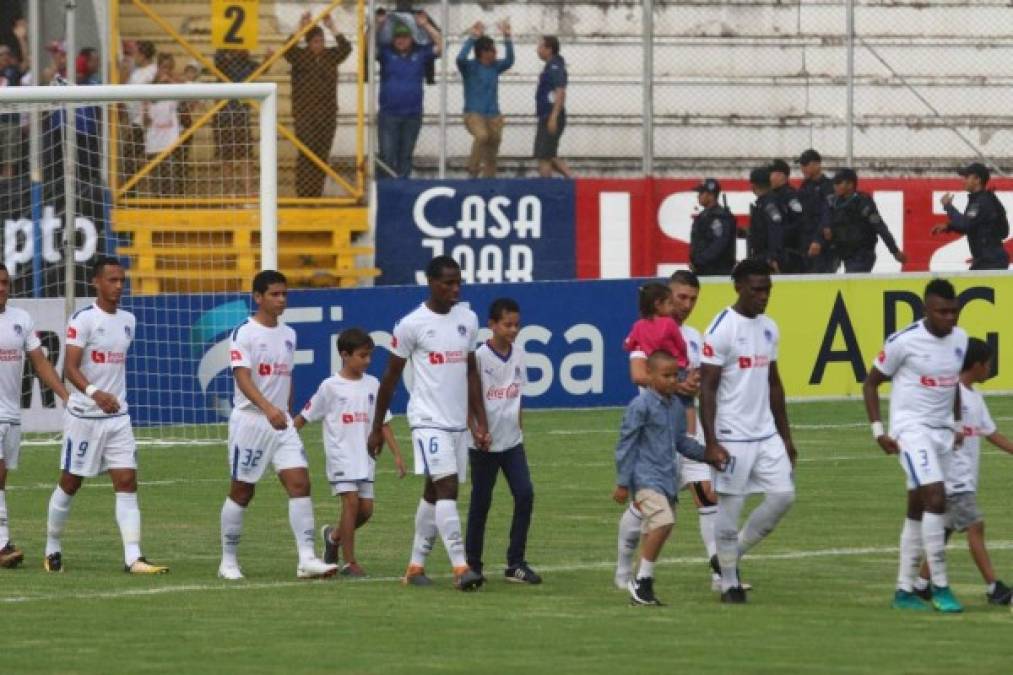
234,24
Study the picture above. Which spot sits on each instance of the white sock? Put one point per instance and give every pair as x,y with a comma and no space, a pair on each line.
448,524
425,532
990,588
232,531
300,517
646,570
59,509
5,534
921,583
128,517
629,537
726,530
708,516
910,554
934,541
764,519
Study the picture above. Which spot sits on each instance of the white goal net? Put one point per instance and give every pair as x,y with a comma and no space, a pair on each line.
178,182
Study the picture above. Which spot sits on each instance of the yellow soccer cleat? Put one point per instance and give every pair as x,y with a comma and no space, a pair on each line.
142,566
11,556
53,562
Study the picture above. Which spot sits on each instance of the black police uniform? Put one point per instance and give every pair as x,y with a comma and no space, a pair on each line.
767,219
816,196
712,241
985,224
795,228
854,225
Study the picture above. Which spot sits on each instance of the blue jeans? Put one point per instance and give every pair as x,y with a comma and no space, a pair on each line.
398,136
485,467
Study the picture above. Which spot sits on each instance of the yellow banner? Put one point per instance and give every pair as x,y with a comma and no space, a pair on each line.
831,330
234,24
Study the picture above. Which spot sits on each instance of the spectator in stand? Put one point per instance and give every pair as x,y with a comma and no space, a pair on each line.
162,132
482,116
88,119
88,66
550,101
57,69
984,221
314,100
233,140
10,122
402,76
140,68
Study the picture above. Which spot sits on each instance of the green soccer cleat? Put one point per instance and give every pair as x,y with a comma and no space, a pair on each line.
908,600
944,600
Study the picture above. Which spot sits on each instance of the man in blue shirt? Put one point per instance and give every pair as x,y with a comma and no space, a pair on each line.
402,74
482,116
550,98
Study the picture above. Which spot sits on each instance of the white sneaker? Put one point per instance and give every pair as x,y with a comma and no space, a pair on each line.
623,579
229,572
315,568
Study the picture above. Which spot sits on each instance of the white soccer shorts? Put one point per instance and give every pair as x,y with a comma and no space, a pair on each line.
363,487
921,451
692,471
254,443
440,453
10,444
93,445
755,466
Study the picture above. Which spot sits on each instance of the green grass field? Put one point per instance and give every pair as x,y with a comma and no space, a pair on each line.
823,581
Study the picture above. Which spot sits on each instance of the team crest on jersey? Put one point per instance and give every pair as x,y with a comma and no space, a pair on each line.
289,345
18,330
960,353
768,334
126,331
461,330
517,371
431,332
372,399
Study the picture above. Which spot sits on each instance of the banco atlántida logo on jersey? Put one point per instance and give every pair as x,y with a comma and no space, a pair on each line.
443,358
210,340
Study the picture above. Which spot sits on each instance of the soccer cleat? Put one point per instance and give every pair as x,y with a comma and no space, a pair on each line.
908,600
716,567
142,566
923,593
330,548
230,572
415,575
522,574
467,579
642,592
944,600
1001,595
11,556
353,570
734,596
53,562
315,568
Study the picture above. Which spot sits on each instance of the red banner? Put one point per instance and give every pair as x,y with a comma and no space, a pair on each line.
640,227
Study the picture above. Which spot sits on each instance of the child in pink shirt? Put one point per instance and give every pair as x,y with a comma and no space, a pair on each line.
656,330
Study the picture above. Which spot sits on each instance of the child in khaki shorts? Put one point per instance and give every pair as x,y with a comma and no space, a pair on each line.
653,430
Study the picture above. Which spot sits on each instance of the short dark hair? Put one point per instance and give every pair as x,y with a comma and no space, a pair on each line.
434,270
483,44
3,268
501,306
684,278
649,295
146,48
659,357
978,351
552,42
101,263
353,339
265,278
749,267
315,31
941,288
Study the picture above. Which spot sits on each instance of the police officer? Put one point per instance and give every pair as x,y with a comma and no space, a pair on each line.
854,225
816,192
766,221
795,225
983,221
712,238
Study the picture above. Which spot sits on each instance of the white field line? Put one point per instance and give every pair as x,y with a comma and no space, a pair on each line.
572,567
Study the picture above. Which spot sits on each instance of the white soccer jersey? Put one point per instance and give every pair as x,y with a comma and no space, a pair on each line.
346,407
105,339
269,353
437,346
744,348
503,379
17,338
694,344
962,469
925,371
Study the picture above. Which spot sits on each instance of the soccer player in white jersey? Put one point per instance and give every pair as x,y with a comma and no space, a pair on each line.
923,361
962,512
262,355
742,408
345,402
97,437
503,374
438,338
17,338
